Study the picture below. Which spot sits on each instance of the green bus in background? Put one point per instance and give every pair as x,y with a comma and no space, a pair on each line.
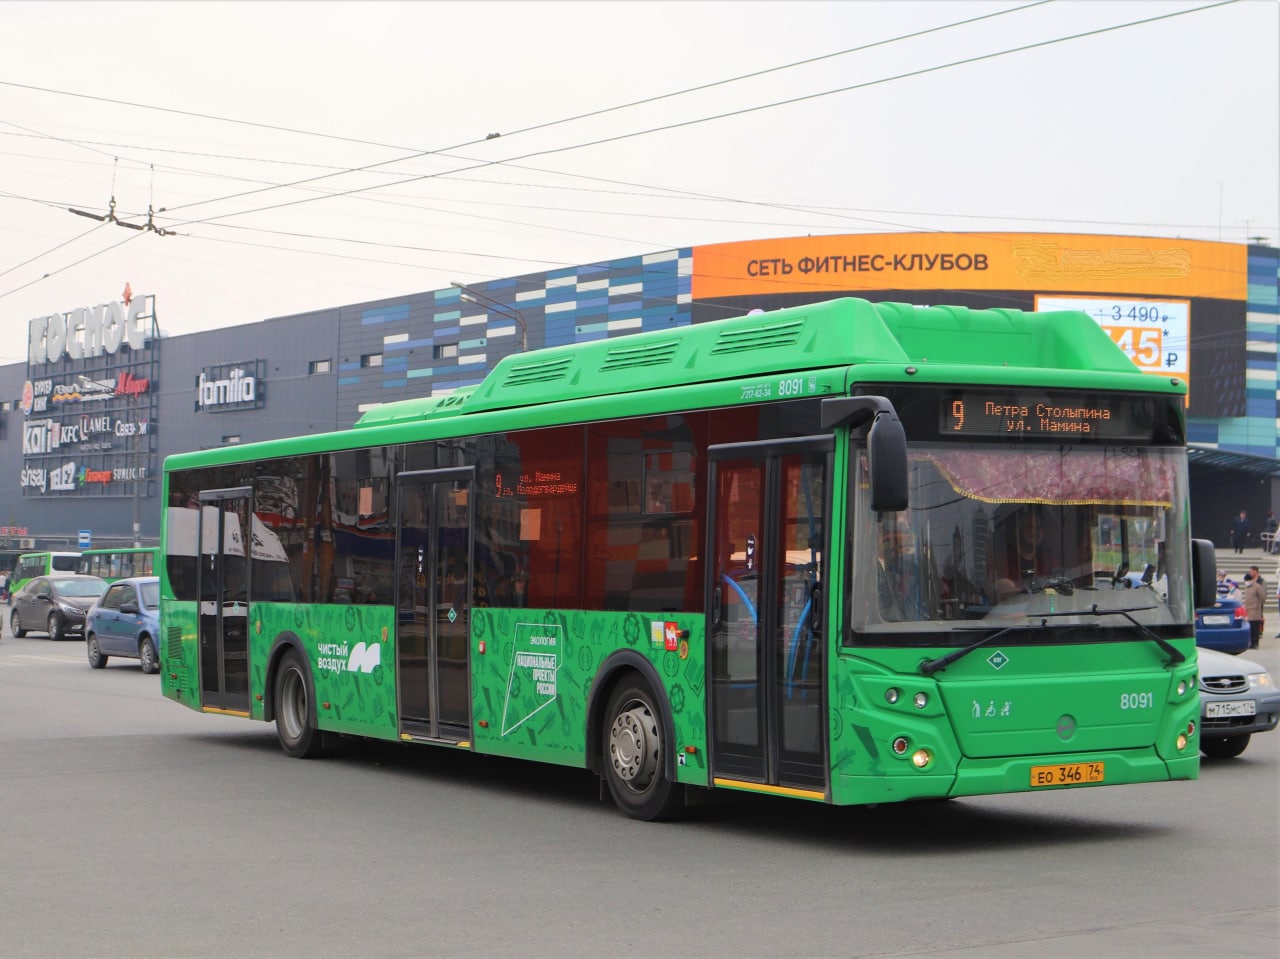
120,562
846,552
41,563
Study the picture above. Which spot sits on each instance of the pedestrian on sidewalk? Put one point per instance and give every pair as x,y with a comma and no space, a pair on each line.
1240,532
1262,584
1254,598
1226,587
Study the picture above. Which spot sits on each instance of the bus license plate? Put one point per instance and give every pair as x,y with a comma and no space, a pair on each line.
1219,710
1067,774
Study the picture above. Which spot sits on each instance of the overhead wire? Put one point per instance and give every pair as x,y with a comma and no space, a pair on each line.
79,236
402,199
471,142
808,210
415,153
700,120
702,196
63,269
647,100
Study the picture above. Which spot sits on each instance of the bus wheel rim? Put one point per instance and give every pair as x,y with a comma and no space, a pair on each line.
633,746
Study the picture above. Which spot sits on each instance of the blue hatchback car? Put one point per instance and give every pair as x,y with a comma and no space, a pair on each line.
126,622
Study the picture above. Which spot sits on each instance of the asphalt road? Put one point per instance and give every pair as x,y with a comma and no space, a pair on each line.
135,827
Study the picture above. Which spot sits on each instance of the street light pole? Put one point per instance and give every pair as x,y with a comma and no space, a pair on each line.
510,312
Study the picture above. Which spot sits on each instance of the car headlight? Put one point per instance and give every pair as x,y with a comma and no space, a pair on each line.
70,610
1261,680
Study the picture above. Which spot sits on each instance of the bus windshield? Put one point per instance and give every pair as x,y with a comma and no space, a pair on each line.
995,536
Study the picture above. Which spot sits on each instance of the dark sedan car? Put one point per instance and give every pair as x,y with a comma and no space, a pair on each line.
56,605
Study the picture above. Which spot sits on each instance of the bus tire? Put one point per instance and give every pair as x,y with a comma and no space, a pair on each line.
635,755
295,725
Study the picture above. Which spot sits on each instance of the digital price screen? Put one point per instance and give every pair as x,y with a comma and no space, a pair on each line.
1048,414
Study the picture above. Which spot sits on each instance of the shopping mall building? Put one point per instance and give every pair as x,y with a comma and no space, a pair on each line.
104,397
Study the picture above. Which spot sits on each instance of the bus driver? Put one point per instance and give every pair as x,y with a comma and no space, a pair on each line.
1023,555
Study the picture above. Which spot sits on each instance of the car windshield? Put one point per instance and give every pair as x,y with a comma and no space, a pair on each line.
996,536
79,588
150,593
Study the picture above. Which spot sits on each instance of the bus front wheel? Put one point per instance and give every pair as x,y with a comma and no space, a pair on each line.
635,754
295,729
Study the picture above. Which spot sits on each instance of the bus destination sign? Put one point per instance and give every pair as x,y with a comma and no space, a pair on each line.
986,412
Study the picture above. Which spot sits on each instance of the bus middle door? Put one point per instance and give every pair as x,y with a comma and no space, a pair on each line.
433,603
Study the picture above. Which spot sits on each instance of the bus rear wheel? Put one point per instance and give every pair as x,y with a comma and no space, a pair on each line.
295,727
635,754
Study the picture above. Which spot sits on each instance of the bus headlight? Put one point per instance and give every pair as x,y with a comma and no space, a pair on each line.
921,758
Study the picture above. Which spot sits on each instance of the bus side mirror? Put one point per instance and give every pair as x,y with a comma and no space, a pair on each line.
886,445
887,463
1204,572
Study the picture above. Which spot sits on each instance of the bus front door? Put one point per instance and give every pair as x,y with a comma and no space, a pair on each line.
433,603
765,623
222,583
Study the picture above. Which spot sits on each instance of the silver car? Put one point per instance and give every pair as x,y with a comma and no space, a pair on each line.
55,604
1238,698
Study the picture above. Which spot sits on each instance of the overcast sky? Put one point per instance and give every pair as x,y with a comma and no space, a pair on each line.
309,155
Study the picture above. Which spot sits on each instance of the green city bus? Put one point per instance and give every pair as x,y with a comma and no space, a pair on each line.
847,552
41,563
113,563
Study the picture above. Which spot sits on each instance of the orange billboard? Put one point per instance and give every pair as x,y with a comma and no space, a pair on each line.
1038,262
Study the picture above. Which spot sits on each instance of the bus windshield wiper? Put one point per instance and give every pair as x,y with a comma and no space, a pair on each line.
931,666
1170,650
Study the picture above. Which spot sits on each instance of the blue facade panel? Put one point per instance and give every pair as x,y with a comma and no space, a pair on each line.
385,314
